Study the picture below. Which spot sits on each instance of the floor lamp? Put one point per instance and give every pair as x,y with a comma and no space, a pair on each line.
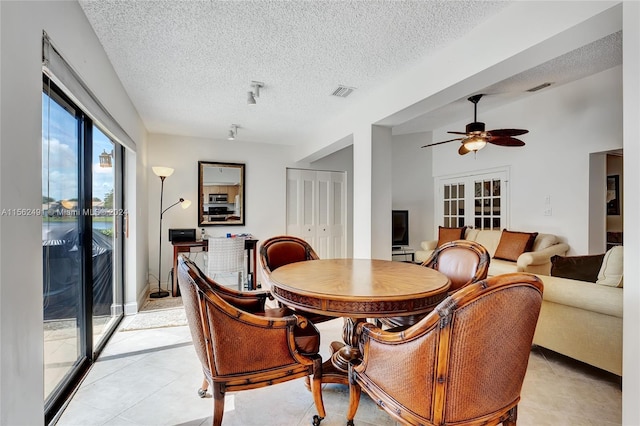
163,173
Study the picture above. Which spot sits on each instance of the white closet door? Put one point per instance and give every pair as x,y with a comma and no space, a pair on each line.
316,210
302,204
323,242
337,229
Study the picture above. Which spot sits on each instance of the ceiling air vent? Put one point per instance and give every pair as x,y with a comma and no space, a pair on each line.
541,86
343,91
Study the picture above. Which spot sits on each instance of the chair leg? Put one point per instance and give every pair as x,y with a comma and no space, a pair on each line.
218,403
316,390
202,392
513,417
354,401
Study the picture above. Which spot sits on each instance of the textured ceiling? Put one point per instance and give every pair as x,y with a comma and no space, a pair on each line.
187,65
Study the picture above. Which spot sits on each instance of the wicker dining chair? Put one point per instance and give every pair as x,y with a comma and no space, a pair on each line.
226,258
285,249
463,364
462,261
241,350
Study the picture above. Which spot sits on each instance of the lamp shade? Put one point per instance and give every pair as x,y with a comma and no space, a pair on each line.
162,171
185,204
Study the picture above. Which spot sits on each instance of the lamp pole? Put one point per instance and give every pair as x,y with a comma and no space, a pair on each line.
160,293
163,173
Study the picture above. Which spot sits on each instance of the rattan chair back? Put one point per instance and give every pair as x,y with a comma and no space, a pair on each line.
462,364
463,262
284,249
241,350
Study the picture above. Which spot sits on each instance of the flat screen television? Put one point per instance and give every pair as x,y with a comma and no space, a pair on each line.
399,228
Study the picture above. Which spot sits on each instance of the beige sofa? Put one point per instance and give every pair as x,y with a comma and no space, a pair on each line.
537,261
583,320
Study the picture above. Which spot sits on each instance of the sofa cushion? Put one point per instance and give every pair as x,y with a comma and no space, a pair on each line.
499,267
612,268
489,239
582,295
543,241
513,244
581,268
446,235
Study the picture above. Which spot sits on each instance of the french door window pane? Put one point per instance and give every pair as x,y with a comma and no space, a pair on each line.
496,188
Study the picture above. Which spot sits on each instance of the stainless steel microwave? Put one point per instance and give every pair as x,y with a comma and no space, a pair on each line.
217,198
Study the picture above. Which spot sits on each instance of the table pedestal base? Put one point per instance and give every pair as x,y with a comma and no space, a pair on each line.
336,368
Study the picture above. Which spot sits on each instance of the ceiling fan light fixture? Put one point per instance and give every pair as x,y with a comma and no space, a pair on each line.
476,137
474,143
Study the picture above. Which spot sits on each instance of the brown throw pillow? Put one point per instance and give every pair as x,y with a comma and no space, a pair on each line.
446,235
513,244
582,268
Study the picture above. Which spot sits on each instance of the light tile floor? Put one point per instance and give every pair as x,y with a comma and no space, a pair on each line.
150,377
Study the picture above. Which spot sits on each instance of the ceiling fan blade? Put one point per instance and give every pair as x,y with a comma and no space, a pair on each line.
458,133
439,143
505,141
463,150
506,132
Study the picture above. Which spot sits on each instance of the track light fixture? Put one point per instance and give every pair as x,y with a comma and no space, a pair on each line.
233,131
254,92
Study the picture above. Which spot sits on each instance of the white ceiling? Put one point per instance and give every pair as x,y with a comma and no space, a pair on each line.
187,65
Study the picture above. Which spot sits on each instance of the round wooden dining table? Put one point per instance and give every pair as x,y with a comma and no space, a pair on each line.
356,289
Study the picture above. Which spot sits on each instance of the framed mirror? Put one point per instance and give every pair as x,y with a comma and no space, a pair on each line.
220,193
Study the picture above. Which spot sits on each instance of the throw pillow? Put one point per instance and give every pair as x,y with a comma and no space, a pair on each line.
611,271
446,235
513,244
581,268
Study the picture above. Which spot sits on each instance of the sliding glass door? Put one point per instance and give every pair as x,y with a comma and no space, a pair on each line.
81,242
106,222
61,230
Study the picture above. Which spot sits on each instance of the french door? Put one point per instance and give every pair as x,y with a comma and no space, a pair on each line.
478,200
82,220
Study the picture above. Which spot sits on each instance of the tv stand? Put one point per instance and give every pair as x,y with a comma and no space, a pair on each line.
405,252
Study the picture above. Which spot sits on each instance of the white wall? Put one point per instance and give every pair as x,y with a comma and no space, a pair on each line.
631,112
21,331
412,184
565,125
265,191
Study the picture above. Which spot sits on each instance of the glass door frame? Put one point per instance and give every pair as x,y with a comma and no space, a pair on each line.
468,180
87,353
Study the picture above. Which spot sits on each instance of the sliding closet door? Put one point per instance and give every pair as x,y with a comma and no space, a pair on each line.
317,210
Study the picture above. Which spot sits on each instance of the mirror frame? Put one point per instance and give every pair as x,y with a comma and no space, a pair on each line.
203,196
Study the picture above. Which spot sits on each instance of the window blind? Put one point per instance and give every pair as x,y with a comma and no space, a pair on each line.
62,73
